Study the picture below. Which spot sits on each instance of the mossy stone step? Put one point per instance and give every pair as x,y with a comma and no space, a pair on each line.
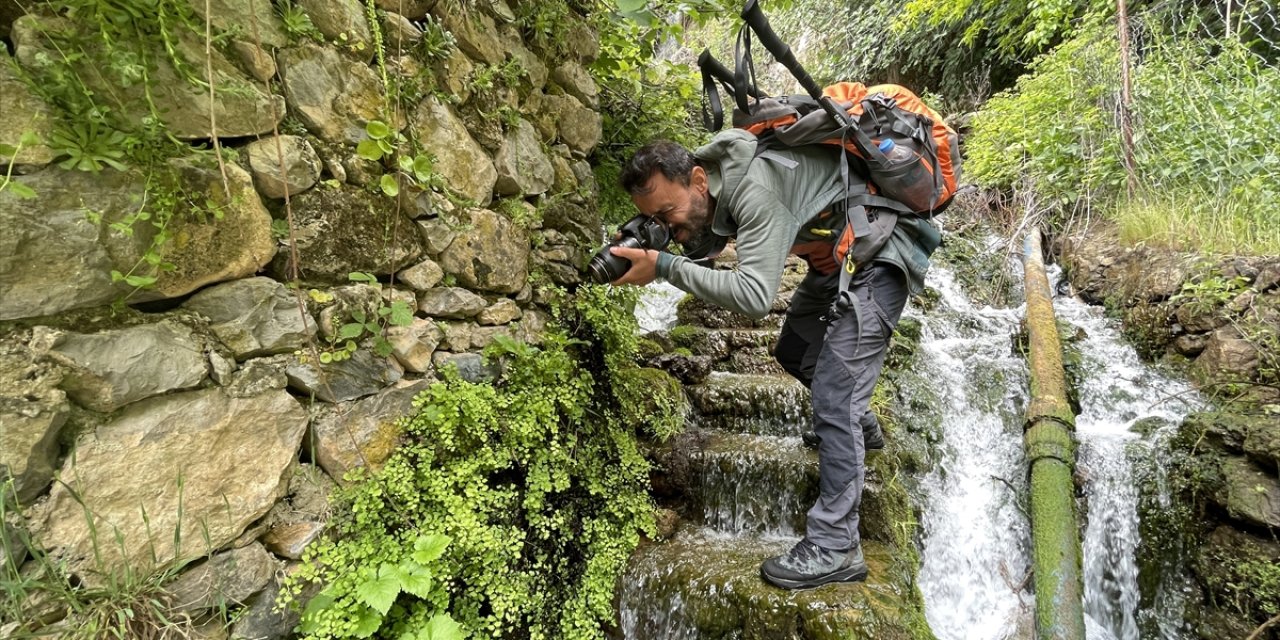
761,404
737,350
748,484
707,586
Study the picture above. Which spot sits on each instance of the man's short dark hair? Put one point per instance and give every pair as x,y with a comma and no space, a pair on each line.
674,161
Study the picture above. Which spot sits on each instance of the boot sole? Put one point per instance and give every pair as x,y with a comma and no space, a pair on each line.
852,574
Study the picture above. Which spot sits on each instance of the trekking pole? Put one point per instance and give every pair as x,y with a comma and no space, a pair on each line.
715,69
755,18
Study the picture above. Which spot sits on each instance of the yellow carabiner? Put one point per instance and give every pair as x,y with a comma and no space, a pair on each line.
849,264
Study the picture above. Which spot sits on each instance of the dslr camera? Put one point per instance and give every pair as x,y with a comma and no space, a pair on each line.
640,232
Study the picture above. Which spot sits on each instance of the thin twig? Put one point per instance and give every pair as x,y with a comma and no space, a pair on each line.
1257,633
213,111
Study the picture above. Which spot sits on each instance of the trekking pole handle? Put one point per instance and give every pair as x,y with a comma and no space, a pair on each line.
708,63
755,18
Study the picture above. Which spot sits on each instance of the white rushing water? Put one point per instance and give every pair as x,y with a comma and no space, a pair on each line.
1118,392
975,561
656,310
975,534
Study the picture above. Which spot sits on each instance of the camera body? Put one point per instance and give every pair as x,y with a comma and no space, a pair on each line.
640,232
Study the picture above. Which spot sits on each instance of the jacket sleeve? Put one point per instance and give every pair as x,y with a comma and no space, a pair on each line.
766,230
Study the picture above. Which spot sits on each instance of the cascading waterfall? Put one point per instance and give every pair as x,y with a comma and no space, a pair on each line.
1118,392
970,383
975,535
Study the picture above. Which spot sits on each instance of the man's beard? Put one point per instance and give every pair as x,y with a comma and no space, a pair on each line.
702,241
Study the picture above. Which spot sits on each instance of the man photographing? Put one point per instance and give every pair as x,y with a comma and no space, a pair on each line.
775,202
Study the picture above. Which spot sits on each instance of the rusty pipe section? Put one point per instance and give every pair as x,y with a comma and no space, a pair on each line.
1050,445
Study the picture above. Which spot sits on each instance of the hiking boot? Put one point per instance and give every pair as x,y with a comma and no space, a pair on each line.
807,566
872,436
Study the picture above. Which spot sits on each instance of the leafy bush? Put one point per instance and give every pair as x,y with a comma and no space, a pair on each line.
1204,140
537,481
1054,129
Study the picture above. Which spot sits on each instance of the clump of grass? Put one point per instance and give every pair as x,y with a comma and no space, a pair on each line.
1197,220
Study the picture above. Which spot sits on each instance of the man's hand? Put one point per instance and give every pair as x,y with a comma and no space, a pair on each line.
644,265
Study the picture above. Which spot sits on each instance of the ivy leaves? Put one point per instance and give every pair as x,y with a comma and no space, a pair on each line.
376,594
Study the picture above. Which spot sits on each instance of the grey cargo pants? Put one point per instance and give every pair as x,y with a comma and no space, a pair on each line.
840,362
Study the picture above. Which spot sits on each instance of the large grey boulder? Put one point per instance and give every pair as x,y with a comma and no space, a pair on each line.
169,480
108,370
490,254
450,302
578,126
334,95
33,411
21,112
53,260
225,579
253,18
413,345
261,619
363,433
412,9
577,82
374,238
343,22
465,165
283,164
476,34
523,167
254,317
361,375
240,107
1249,493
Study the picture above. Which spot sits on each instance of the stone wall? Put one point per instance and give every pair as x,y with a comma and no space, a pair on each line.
204,422
1219,320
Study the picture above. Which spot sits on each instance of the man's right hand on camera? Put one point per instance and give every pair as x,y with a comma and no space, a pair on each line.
644,265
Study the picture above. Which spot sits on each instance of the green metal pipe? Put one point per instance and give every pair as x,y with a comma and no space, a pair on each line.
1055,534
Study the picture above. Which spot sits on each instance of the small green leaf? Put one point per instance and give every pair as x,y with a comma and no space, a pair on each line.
422,168
417,581
429,547
401,314
380,592
377,129
369,150
29,138
442,627
139,281
382,347
358,315
350,330
368,623
8,150
389,185
326,357
21,190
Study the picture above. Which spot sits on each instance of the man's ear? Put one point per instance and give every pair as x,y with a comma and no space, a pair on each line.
698,179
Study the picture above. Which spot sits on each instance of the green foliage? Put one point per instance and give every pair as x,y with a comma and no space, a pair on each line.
297,24
437,42
88,146
117,605
401,594
643,97
1210,291
1054,129
362,324
536,480
11,152
1203,140
1016,29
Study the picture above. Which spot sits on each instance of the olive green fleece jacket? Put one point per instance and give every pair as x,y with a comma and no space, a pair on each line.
770,203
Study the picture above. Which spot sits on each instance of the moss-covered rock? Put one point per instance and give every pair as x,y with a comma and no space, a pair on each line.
711,586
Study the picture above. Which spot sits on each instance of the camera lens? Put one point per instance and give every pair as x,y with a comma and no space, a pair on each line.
606,267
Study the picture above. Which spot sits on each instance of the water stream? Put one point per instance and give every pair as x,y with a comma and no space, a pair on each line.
969,381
